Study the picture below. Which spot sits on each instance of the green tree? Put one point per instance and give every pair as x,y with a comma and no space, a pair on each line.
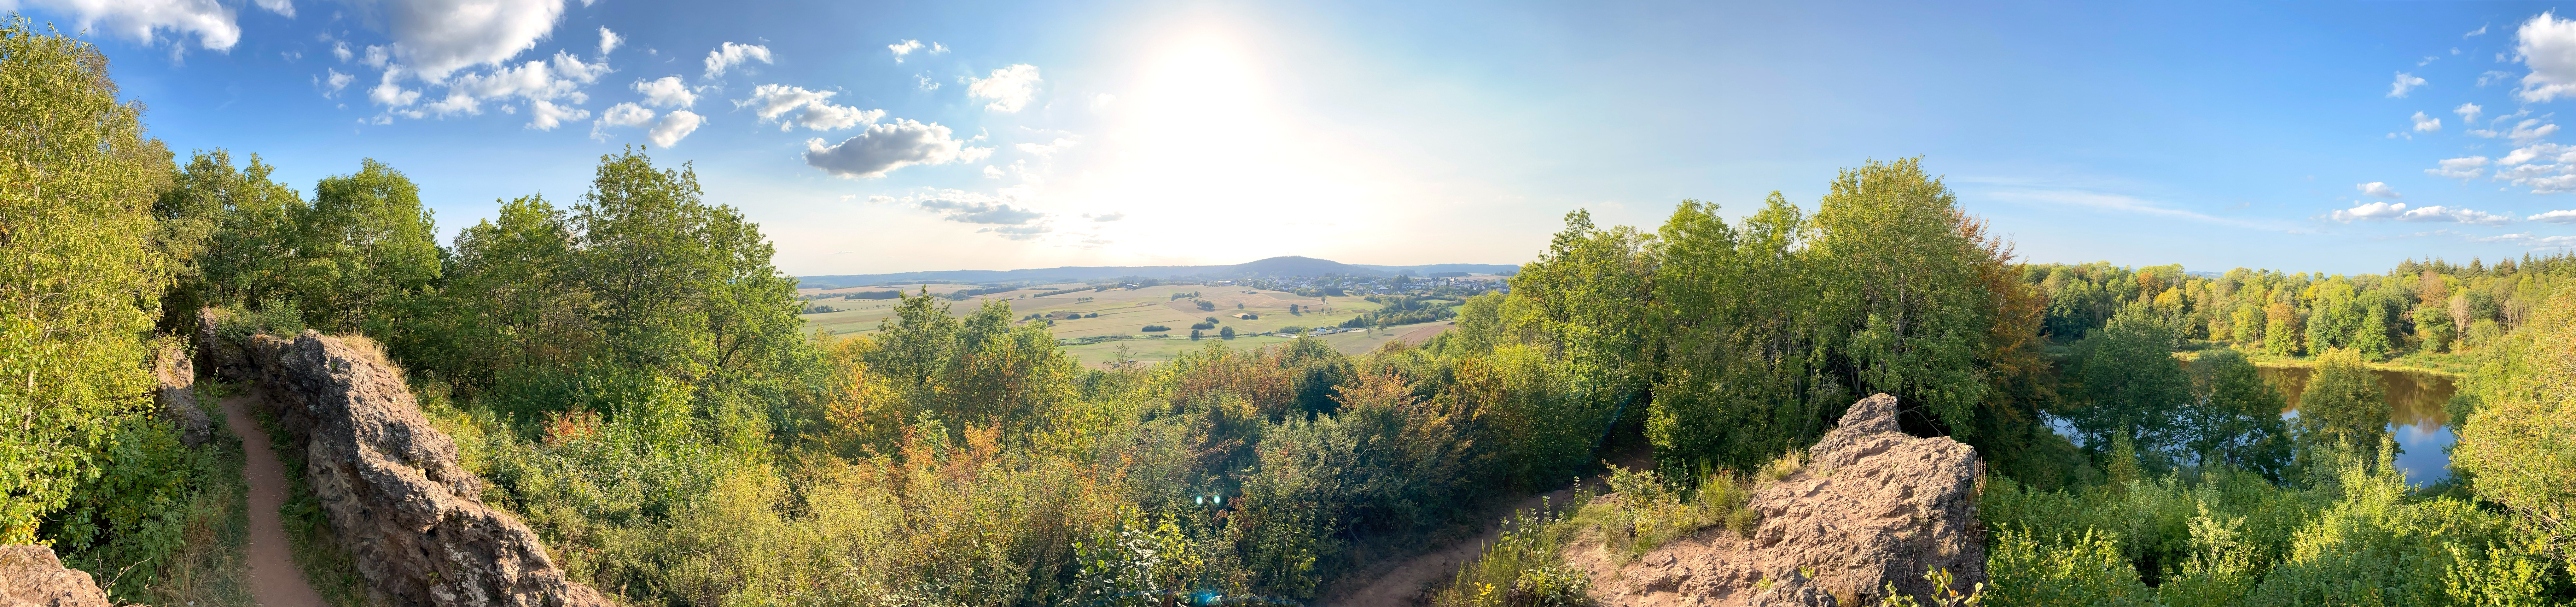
2133,388
2235,416
1901,291
80,278
2519,446
2282,330
2343,402
363,243
1737,386
1225,333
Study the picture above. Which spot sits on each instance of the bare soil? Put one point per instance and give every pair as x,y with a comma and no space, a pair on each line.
274,579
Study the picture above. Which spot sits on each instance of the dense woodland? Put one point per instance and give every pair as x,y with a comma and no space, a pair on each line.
627,373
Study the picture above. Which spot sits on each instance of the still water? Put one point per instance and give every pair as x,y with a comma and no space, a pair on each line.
2415,416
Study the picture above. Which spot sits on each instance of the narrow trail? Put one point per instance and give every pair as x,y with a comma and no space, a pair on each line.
1403,583
274,579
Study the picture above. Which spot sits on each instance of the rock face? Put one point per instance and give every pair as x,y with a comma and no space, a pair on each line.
30,576
219,357
176,393
1873,506
389,482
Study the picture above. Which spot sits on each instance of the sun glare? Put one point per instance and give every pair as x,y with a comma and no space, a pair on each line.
1208,162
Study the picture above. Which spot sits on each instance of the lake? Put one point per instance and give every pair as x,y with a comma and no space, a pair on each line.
2415,416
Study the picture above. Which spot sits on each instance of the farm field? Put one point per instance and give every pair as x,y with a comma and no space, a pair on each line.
1160,350
1127,312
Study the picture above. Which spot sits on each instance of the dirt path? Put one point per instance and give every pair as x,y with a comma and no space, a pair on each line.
274,579
1401,584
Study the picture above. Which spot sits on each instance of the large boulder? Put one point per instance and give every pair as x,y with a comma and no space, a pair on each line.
30,576
175,390
1873,507
390,484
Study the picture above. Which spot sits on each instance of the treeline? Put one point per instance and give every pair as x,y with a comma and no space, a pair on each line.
2431,307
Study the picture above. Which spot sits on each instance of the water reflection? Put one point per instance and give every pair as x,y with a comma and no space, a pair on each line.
2415,416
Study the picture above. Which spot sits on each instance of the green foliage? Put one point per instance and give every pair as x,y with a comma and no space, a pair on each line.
1522,568
79,279
2343,403
2085,572
2235,417
2518,444
2133,388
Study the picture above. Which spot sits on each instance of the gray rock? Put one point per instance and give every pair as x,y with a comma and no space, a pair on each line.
390,484
176,393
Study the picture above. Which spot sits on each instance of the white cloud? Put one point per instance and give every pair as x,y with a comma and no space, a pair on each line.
545,115
666,91
2468,113
2560,216
389,93
2377,189
664,133
1103,100
534,80
341,50
769,101
2522,132
335,82
2459,168
968,207
283,8
674,126
819,116
608,40
1010,88
889,146
2439,213
2405,82
927,84
938,49
2425,123
2492,77
2427,60
620,115
377,56
2375,210
1048,149
434,38
2547,45
903,48
141,20
1111,216
729,54
2526,239
2481,31
992,172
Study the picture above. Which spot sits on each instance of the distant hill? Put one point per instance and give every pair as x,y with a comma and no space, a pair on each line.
1275,267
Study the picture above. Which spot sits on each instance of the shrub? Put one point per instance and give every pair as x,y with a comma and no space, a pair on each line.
1155,328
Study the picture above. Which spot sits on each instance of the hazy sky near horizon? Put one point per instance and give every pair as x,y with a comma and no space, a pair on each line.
873,137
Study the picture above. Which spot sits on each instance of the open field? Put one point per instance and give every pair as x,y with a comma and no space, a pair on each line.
1160,350
1126,312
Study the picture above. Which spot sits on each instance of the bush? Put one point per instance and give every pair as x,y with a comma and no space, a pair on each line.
1154,328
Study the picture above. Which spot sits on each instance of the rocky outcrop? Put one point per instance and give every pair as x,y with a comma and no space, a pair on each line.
221,357
30,576
390,484
1874,506
176,392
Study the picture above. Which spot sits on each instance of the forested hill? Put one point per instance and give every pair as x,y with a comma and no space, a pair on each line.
1267,268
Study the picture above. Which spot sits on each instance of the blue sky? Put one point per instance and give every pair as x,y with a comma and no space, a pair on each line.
2300,136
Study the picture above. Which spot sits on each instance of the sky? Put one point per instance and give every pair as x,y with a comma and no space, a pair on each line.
883,137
